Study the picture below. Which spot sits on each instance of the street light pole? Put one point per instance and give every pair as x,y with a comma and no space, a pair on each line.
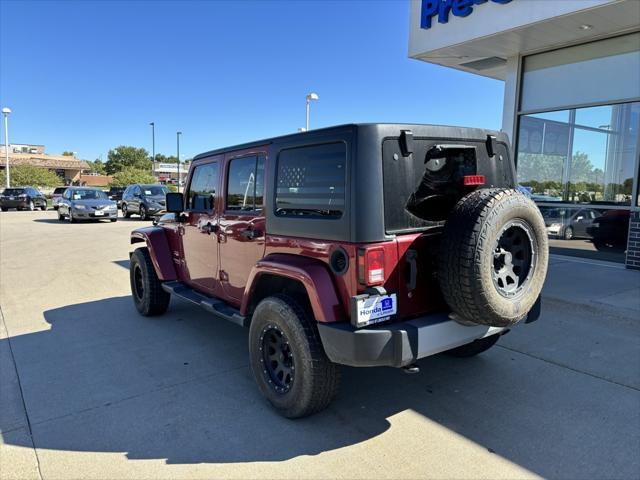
311,96
5,113
178,147
153,146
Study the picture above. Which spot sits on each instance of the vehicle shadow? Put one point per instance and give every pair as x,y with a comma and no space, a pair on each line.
177,387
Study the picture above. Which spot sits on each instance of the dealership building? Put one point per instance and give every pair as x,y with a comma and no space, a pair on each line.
571,70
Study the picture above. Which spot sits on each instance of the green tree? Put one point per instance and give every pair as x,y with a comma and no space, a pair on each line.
22,175
129,175
160,158
97,167
127,157
67,153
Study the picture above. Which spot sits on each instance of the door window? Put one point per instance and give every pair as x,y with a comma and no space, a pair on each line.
202,190
245,184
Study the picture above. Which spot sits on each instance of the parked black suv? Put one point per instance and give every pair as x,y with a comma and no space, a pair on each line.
144,200
115,194
22,198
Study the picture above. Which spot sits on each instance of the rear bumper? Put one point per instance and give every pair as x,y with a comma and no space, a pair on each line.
400,344
397,345
14,203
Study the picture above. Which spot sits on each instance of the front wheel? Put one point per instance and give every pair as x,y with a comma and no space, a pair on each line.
60,216
125,211
568,233
287,358
146,288
32,206
143,212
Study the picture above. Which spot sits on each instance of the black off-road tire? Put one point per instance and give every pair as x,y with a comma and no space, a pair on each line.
467,261
474,348
146,288
314,380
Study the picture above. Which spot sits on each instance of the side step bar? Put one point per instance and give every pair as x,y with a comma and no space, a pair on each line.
217,307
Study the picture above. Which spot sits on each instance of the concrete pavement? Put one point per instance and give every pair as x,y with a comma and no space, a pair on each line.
89,389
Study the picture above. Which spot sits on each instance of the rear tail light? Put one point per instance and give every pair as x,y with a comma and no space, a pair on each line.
474,180
371,266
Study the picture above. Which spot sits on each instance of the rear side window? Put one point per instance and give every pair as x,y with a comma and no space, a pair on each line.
202,190
310,181
245,184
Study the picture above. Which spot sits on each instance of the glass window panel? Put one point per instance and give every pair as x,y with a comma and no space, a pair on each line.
564,161
202,191
241,184
311,181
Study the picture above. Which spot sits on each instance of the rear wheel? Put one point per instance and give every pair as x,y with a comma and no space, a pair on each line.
287,358
493,258
146,288
474,348
4,209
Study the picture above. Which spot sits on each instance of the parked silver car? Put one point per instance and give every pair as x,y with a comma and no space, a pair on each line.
82,203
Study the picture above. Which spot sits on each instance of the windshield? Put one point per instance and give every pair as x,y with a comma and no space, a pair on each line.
88,195
154,190
13,191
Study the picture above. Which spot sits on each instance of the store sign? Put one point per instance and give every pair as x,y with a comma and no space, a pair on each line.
444,8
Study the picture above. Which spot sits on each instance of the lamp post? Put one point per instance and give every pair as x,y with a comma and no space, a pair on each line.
310,97
178,147
5,113
153,146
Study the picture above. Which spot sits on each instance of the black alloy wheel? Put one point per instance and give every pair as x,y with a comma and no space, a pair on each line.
277,359
513,258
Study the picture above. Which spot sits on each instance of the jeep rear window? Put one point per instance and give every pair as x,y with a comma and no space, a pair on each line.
311,181
402,177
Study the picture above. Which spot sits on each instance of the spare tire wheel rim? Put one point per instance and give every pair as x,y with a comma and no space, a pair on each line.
276,359
514,258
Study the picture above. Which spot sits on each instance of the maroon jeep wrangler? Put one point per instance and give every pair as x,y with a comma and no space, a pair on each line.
363,245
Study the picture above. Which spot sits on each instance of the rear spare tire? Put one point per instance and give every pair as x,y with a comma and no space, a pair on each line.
493,257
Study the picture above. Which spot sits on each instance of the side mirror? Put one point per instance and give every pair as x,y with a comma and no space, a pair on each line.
175,202
580,218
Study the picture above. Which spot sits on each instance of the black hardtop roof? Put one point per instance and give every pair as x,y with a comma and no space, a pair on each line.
418,129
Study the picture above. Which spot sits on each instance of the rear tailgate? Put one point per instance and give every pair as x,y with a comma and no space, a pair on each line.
417,286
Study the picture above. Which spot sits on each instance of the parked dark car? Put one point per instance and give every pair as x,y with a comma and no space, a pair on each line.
568,223
84,203
22,198
115,194
363,245
610,231
144,200
56,196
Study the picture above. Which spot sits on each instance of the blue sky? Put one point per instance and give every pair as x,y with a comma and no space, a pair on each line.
88,76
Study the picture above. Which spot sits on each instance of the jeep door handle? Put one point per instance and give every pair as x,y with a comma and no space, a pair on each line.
250,233
209,228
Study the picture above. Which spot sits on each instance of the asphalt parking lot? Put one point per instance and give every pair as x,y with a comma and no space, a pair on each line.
90,389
